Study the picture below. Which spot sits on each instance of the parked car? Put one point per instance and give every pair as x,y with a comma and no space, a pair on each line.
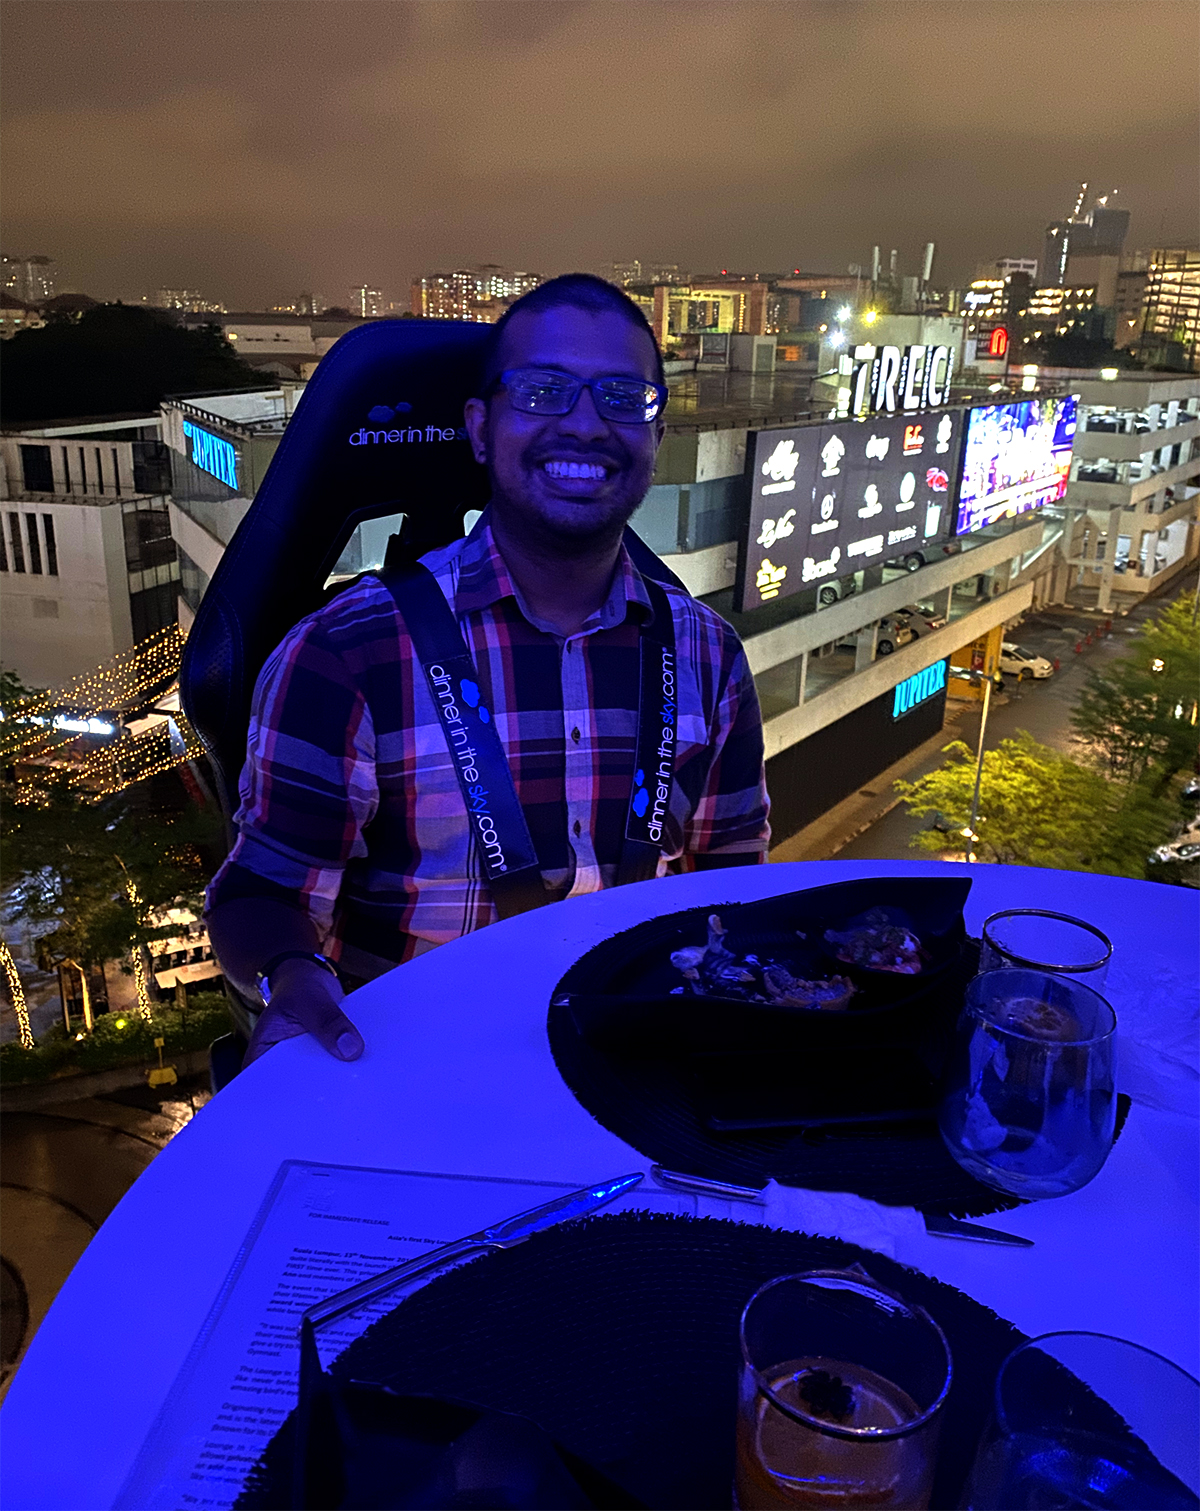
1185,848
894,631
1016,661
923,621
832,592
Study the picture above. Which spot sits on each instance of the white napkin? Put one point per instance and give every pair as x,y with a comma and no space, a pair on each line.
825,1214
1157,1003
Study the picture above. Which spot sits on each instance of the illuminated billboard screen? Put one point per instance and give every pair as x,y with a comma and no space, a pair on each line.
1016,457
826,500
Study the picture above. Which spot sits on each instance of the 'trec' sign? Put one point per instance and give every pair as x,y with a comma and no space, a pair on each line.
212,454
919,688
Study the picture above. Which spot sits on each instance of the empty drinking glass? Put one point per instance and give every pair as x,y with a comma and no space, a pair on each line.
1034,939
841,1393
1029,1105
1081,1419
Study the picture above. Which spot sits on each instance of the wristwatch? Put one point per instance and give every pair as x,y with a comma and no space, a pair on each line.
262,978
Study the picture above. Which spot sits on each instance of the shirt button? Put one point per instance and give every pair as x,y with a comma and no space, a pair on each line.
575,735
578,828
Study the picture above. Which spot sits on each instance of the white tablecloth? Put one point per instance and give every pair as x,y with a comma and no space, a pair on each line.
458,1078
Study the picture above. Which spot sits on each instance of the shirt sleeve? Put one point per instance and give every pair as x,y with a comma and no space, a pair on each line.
308,788
730,817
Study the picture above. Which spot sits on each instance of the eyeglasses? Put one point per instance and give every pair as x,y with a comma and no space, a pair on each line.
625,401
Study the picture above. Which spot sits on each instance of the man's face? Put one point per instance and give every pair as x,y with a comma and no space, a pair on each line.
529,456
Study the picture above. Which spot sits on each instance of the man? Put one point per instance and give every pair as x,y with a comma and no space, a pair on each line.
353,846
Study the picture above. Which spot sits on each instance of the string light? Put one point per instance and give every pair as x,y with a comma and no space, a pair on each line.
139,964
20,1006
32,730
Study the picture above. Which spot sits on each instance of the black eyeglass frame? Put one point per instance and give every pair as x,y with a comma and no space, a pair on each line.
594,387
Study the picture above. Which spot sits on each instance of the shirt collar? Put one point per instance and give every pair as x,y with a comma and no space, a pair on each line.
484,580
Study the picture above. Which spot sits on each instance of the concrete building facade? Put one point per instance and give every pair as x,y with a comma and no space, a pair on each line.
88,562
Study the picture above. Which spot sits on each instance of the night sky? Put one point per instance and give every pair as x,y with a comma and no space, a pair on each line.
254,150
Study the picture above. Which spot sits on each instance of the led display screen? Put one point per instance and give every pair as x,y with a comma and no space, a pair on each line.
826,500
1015,457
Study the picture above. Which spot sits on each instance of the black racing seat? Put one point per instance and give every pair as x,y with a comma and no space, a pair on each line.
378,433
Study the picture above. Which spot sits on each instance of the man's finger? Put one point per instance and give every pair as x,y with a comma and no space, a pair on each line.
331,1028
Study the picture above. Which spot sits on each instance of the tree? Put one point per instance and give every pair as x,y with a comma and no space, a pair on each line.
1036,807
113,359
1138,716
94,873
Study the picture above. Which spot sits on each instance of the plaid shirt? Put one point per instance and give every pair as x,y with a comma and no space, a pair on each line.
349,801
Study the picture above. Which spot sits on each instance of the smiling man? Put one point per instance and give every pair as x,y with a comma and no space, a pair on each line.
355,849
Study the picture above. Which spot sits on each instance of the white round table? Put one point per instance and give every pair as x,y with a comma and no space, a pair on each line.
458,1078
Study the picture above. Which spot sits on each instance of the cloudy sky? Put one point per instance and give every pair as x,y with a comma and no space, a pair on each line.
254,150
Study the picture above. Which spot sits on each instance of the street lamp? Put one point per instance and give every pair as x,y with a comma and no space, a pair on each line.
969,832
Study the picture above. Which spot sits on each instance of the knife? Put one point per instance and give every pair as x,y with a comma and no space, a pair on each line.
951,1227
501,1235
936,1227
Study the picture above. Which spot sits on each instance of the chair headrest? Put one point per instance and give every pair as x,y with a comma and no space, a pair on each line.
378,431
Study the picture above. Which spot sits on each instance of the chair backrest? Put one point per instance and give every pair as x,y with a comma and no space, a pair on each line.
378,431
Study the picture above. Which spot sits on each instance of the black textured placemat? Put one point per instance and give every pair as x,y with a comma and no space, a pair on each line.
652,1102
618,1336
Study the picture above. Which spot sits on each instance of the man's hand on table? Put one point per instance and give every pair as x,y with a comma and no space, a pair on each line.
304,1000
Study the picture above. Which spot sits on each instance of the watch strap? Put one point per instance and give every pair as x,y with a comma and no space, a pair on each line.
263,978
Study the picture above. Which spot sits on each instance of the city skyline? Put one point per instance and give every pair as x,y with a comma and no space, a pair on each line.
253,152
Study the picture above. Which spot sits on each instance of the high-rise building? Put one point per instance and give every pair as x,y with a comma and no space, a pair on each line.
28,279
1006,266
366,301
482,293
1128,301
1101,232
1170,318
1070,311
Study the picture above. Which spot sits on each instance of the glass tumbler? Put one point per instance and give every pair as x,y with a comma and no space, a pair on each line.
1033,939
841,1392
1029,1105
1081,1419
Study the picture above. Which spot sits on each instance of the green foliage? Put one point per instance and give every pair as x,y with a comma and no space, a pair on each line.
68,861
108,1047
1138,722
12,691
1037,807
114,359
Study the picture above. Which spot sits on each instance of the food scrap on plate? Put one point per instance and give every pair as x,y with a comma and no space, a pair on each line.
713,970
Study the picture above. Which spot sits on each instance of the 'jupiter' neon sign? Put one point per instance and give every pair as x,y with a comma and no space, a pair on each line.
212,454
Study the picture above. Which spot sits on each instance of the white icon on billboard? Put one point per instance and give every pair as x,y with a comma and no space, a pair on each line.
831,454
827,520
933,514
775,529
781,466
908,486
814,569
944,431
878,445
871,505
